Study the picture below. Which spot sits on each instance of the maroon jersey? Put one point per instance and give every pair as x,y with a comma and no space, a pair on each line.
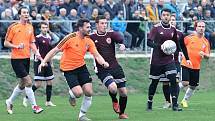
43,43
105,44
158,35
180,38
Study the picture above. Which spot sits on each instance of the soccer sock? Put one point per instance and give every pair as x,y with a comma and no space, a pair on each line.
188,94
86,103
48,92
113,97
16,92
180,85
166,92
34,88
152,89
122,104
71,94
29,92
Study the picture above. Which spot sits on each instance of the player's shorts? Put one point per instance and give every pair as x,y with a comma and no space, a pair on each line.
46,73
178,75
116,74
191,75
21,67
160,72
79,76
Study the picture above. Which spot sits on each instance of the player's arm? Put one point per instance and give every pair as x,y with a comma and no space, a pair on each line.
183,48
151,39
118,39
8,44
100,59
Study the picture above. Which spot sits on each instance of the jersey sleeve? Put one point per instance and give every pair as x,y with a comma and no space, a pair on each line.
92,47
10,33
117,37
32,37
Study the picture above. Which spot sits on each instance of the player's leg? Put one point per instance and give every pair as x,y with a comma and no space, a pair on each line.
122,99
194,82
166,92
49,93
170,71
85,81
185,77
108,81
155,74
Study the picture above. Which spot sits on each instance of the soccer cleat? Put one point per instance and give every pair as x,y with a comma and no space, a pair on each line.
123,116
9,107
25,102
84,118
166,105
72,101
149,106
115,107
184,103
176,108
49,103
37,109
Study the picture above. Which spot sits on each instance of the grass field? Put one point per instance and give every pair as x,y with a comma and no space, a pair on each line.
201,108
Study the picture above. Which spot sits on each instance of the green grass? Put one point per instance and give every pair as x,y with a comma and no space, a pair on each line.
201,108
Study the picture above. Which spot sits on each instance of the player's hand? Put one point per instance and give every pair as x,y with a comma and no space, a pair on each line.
121,47
189,63
105,65
20,46
42,64
202,54
162,47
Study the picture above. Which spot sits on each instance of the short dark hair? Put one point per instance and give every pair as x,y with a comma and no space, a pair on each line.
81,22
166,10
99,17
20,9
44,23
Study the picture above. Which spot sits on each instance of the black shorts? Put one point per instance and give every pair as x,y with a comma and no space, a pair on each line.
160,72
191,75
79,76
117,74
21,67
45,74
178,75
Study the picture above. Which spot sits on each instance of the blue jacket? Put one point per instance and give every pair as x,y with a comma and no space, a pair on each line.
119,26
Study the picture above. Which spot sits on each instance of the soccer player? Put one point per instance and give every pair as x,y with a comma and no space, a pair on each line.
43,44
20,38
112,77
177,58
198,48
162,65
74,47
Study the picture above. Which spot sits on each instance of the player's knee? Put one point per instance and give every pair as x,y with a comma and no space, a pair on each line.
78,94
123,92
112,88
185,83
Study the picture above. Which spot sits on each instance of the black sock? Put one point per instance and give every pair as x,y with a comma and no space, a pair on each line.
152,89
122,104
113,97
166,92
34,88
48,92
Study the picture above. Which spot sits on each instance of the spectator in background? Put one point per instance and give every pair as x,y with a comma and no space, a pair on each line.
199,13
46,15
206,4
67,5
6,15
76,4
73,16
100,5
85,6
45,5
83,14
152,11
33,5
189,5
124,6
210,29
160,6
138,6
111,7
2,6
107,15
93,17
65,26
119,25
213,10
174,8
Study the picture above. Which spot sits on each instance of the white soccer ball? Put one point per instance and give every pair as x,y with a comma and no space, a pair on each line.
168,47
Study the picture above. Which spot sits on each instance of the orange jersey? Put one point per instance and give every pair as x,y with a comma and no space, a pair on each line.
194,45
74,49
18,33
